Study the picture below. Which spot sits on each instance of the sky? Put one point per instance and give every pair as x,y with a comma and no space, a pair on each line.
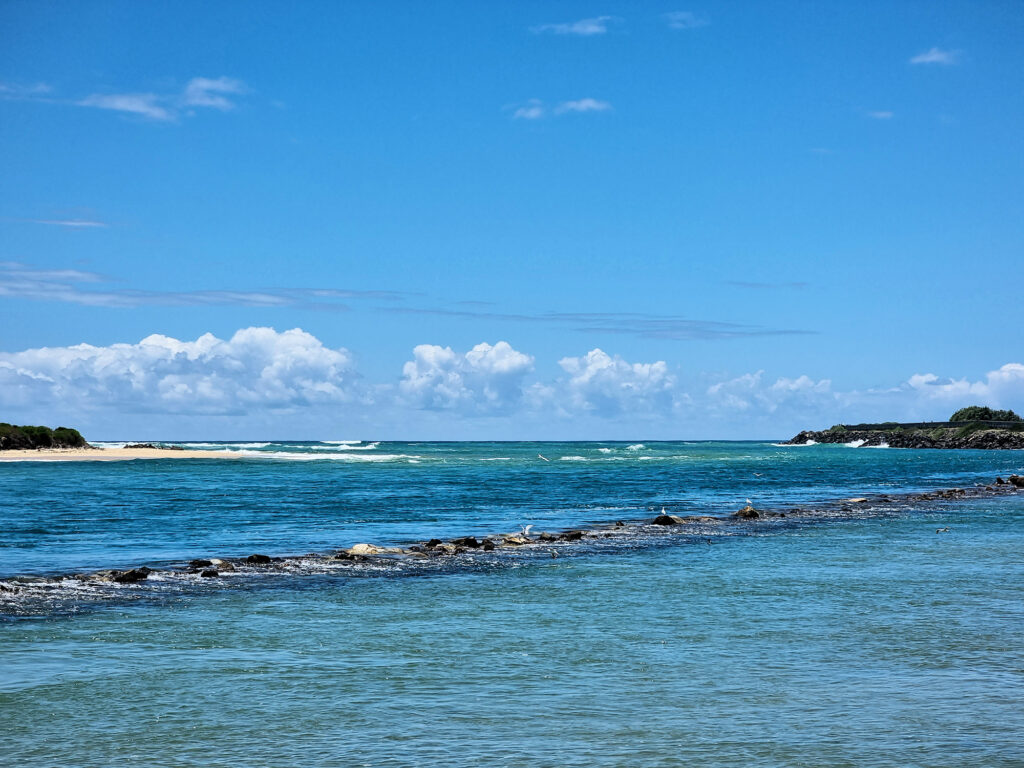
530,220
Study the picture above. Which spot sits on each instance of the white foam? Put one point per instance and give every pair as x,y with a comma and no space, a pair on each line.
605,450
855,443
289,456
811,442
574,458
222,446
880,445
498,458
636,447
340,446
342,442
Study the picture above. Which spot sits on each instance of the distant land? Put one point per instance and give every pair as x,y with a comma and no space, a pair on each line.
973,427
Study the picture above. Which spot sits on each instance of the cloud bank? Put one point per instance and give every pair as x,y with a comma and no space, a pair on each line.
283,381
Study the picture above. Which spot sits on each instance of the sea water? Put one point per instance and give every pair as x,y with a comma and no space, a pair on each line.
858,639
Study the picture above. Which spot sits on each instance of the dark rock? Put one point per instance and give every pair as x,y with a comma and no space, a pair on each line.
1000,481
209,573
571,536
350,557
200,563
667,520
469,542
747,513
1017,481
131,576
432,543
619,524
258,560
545,536
487,545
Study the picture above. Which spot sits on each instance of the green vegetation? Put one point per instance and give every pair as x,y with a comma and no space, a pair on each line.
980,413
13,437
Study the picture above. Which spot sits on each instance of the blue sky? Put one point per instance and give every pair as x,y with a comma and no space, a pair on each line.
736,194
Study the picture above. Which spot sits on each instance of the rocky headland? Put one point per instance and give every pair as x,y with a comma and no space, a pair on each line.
919,436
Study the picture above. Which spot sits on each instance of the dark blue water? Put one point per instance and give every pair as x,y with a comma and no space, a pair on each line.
865,639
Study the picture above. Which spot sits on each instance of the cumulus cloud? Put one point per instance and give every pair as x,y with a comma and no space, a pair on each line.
256,369
607,385
936,56
1003,387
597,25
685,20
487,379
260,375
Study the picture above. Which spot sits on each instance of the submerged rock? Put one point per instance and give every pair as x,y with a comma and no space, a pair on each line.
209,573
571,536
200,563
667,520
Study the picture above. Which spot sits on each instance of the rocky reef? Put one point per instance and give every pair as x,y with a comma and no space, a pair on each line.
472,551
910,436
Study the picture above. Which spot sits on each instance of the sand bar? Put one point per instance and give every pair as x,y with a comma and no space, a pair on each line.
110,454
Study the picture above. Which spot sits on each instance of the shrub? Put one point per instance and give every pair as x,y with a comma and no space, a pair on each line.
981,413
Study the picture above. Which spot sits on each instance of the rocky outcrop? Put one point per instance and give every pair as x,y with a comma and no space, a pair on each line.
986,439
472,549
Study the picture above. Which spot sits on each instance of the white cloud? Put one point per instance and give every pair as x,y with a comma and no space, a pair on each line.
881,115
199,92
69,223
605,385
685,20
143,104
14,90
1003,387
256,369
597,25
936,56
583,105
207,92
535,109
531,110
487,379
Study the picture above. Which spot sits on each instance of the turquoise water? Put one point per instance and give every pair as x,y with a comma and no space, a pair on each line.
859,639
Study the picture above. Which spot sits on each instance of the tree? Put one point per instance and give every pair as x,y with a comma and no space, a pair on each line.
981,413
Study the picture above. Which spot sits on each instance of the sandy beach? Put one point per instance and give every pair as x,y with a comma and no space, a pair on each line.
110,454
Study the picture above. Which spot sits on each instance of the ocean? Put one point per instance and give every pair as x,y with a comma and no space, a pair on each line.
863,635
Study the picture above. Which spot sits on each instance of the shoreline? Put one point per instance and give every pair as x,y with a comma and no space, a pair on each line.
110,454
